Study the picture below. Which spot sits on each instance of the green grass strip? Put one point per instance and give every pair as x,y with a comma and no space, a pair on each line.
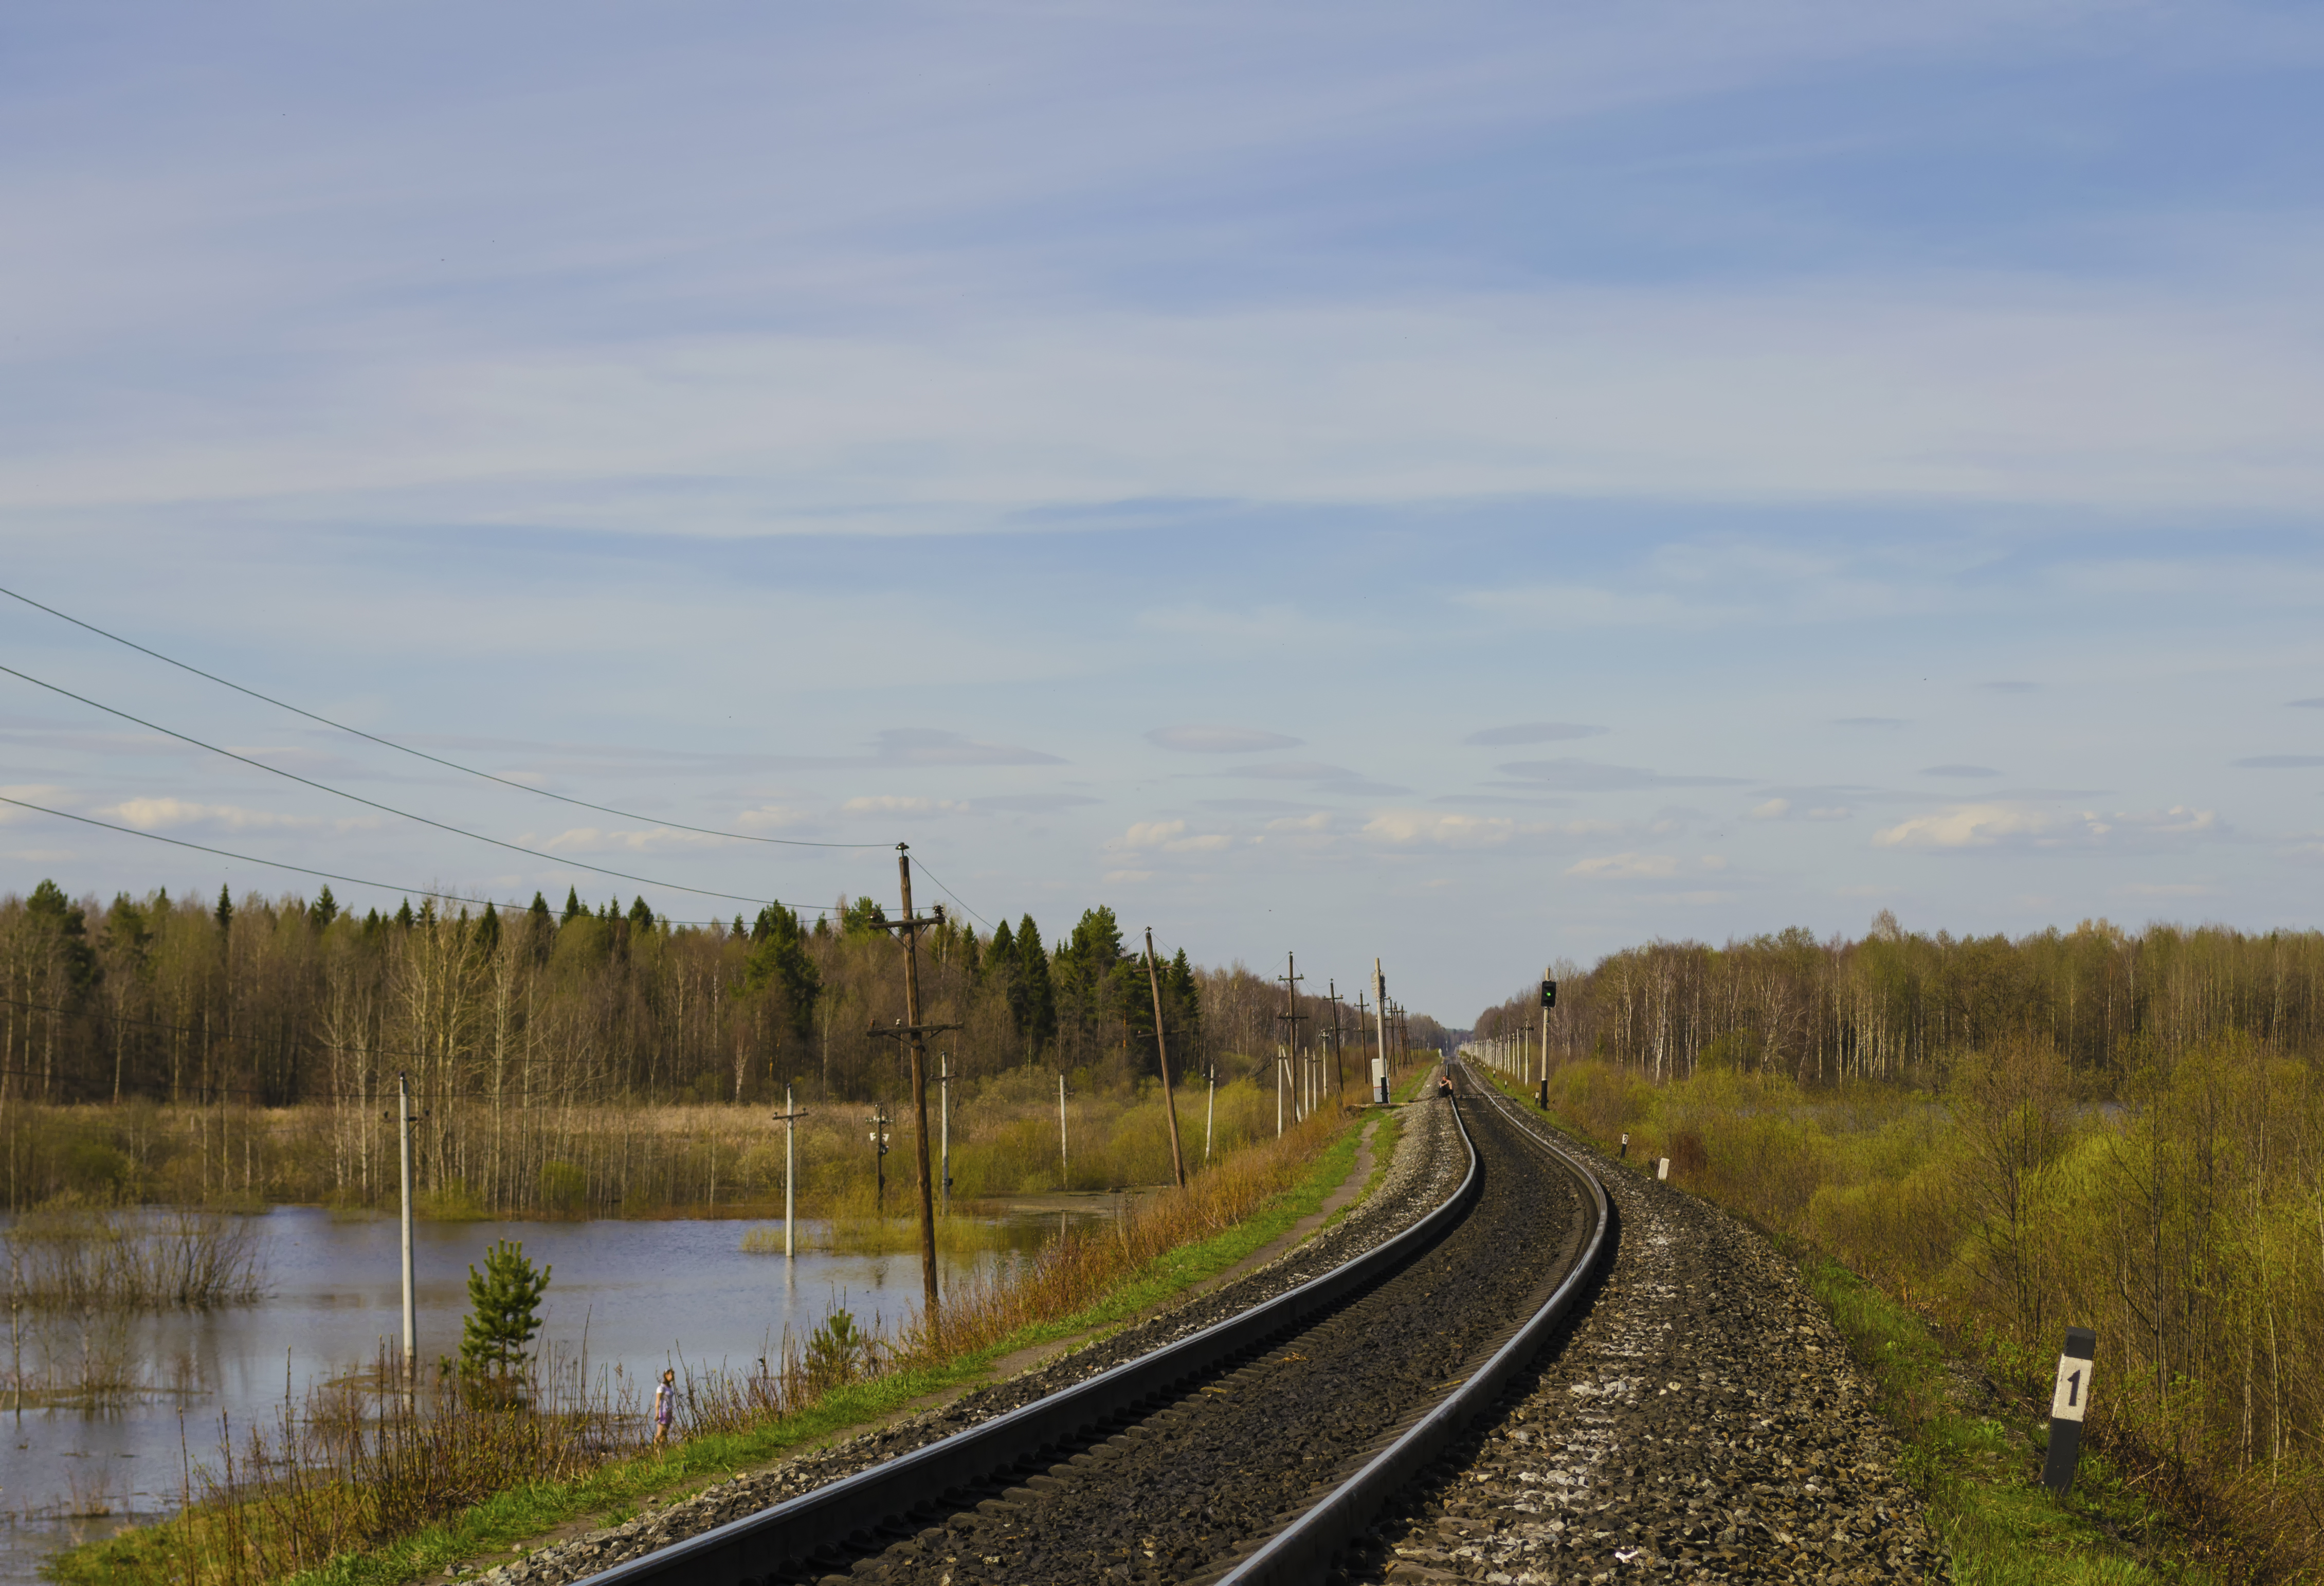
611,1494
1981,1475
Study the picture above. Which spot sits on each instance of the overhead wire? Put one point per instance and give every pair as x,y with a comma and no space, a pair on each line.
422,753
298,869
374,803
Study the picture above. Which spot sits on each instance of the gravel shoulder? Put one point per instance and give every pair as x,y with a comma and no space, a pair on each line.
1427,1169
1702,1421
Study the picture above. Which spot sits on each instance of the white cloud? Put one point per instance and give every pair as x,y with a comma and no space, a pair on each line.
1408,826
1625,867
1987,825
895,804
156,815
1971,826
1714,862
1829,812
1168,837
1774,809
1321,821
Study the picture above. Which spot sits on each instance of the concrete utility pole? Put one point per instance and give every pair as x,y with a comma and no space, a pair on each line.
411,1312
1380,1015
944,1127
788,1118
1162,1051
915,1036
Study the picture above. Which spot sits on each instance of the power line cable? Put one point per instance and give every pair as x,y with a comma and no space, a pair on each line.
422,753
921,866
373,803
298,869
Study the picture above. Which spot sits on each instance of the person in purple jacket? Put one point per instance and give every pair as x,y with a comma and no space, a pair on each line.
665,1406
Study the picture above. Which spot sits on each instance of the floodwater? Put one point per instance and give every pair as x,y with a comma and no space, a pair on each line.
640,1295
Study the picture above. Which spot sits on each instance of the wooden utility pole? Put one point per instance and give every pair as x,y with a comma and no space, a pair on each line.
1339,1065
914,1034
1162,1051
1290,1018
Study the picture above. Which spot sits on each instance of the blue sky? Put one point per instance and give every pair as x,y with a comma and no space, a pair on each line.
1473,485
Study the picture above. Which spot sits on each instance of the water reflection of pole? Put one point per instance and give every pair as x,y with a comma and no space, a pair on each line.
404,1139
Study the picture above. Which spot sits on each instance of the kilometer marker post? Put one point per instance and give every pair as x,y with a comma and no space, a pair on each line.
2069,1400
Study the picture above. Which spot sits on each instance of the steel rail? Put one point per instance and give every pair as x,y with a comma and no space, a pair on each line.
749,1551
1303,1550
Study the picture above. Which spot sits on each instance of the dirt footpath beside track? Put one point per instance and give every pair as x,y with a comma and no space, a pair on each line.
1702,1421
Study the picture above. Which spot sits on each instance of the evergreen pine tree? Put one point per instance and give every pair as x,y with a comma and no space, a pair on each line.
1040,1024
641,917
324,909
573,909
225,912
506,1297
488,931
404,915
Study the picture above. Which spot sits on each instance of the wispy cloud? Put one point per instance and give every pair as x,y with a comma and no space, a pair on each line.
901,803
934,746
1535,733
1588,776
1993,824
1959,771
1169,837
1625,867
1200,740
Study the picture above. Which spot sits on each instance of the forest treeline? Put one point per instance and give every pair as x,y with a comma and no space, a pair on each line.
1898,1005
2099,1128
524,1029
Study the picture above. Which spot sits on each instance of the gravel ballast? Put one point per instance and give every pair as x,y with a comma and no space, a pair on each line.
1702,1421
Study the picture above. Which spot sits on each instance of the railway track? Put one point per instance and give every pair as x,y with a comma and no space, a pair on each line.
1250,1451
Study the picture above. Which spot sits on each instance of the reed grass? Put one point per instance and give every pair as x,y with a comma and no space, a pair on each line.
75,1255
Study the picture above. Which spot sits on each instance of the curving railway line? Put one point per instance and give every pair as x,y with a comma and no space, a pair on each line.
1252,1450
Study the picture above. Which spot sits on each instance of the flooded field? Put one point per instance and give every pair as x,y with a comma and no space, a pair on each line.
638,1295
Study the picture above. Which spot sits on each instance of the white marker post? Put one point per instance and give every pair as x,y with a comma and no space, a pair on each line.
1626,1145
2068,1402
1662,1168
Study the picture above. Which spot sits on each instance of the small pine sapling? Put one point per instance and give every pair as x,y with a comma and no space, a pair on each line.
506,1297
